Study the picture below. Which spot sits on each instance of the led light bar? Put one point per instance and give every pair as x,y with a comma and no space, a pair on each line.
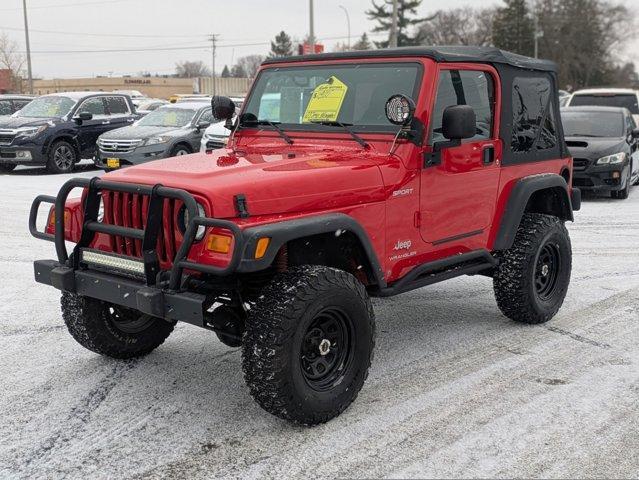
111,261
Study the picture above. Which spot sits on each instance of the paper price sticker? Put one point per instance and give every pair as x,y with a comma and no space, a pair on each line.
326,101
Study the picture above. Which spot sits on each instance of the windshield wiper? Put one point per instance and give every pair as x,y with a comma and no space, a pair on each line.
274,125
346,127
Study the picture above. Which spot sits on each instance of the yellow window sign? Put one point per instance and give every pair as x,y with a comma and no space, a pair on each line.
326,101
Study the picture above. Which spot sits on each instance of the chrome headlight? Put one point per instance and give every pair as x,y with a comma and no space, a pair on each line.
157,140
31,131
615,159
183,221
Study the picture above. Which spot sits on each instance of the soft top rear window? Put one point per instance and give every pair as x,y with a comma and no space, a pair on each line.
625,100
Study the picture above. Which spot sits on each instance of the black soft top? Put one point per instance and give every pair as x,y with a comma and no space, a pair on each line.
441,54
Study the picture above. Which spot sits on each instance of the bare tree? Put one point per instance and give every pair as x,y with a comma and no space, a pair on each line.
11,59
459,26
250,64
188,69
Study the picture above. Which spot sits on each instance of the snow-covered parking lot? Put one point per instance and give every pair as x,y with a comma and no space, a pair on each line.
455,390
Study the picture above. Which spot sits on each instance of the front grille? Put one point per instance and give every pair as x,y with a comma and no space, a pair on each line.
119,146
214,145
6,138
580,163
131,210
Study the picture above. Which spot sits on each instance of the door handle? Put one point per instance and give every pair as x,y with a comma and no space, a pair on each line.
107,122
488,154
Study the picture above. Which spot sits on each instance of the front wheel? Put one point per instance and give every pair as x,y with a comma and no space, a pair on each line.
112,330
62,157
180,150
533,275
308,344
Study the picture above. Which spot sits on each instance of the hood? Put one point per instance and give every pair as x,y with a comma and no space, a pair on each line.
273,182
135,131
17,122
595,146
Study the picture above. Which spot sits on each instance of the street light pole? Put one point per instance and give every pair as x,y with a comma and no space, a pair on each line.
348,24
311,36
26,34
393,33
213,48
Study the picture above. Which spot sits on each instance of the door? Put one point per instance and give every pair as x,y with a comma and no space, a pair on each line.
458,195
118,112
90,130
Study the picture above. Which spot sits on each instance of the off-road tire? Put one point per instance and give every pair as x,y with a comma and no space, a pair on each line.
94,325
518,277
278,332
65,149
7,167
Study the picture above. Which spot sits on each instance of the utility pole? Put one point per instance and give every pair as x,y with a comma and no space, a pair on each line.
311,36
348,25
213,46
393,33
26,34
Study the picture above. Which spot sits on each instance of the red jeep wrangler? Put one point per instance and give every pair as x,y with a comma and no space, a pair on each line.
348,175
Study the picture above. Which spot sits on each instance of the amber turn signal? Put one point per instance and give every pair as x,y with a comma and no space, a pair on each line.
262,245
219,243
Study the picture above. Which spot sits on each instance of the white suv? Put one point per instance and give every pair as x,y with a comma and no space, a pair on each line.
607,97
217,135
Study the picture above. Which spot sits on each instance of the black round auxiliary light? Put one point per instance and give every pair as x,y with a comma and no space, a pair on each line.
400,109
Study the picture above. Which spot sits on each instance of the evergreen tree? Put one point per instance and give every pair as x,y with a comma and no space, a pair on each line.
226,73
238,71
406,18
363,43
514,28
282,46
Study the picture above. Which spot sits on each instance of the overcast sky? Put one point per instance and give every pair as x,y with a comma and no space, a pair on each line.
243,26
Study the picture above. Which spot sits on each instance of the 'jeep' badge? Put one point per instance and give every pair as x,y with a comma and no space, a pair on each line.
403,245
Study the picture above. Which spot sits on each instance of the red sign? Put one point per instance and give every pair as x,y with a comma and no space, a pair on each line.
5,81
305,48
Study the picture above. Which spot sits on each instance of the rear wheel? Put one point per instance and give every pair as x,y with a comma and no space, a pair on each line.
308,344
62,157
532,277
7,167
112,330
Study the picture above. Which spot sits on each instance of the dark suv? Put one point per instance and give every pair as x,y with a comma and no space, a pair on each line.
10,104
58,130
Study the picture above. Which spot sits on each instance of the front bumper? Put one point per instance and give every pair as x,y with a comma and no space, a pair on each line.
152,300
22,155
208,144
601,177
137,156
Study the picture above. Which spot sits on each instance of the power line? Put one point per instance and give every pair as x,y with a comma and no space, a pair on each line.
62,5
108,35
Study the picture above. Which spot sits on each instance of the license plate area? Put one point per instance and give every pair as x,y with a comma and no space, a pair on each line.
113,162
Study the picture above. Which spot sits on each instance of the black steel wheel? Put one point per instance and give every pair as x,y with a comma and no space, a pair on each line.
308,344
533,276
62,157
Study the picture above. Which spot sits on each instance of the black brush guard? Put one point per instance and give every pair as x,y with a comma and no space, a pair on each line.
68,273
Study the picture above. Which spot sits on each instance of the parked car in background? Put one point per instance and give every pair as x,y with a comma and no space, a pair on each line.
607,97
187,96
137,97
10,104
217,135
169,131
564,98
149,105
58,130
602,141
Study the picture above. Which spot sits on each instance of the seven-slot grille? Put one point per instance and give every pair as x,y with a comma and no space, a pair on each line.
119,146
131,210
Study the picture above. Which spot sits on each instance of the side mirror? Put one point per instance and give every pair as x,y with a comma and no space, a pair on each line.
459,122
83,117
635,133
223,108
202,126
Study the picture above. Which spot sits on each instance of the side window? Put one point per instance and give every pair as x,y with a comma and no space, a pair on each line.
206,117
465,87
18,104
630,123
117,106
5,107
534,116
93,105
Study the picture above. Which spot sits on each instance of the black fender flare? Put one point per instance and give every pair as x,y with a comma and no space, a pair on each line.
519,197
283,232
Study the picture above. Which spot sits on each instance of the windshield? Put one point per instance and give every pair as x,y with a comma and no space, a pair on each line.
349,94
628,101
168,117
592,124
46,107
